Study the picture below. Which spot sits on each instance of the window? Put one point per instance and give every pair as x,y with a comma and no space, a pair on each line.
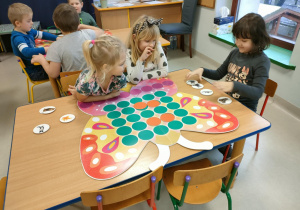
282,18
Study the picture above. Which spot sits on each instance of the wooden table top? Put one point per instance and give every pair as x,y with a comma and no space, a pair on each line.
45,169
123,34
137,4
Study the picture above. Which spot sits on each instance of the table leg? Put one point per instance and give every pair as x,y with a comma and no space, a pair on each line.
237,150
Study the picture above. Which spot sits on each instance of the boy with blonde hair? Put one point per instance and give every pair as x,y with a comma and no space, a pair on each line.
23,36
84,17
66,53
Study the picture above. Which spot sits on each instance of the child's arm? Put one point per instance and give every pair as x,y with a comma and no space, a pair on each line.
52,68
48,36
162,70
97,30
27,51
84,98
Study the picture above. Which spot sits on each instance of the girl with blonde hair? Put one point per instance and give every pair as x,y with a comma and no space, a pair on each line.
145,58
103,79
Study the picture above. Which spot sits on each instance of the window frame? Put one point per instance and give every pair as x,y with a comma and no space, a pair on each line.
275,41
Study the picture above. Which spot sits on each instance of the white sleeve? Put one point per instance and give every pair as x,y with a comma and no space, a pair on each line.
162,65
134,72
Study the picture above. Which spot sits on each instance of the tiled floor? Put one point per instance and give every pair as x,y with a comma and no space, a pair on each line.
268,179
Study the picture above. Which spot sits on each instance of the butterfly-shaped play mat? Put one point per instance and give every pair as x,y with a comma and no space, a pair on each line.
121,127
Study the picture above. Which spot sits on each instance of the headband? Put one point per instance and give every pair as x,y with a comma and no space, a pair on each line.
147,23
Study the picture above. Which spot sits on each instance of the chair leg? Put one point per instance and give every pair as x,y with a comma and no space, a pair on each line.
182,42
28,94
226,153
257,141
158,190
174,202
190,46
229,201
32,97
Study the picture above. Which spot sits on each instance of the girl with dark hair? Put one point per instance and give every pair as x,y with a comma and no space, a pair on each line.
247,67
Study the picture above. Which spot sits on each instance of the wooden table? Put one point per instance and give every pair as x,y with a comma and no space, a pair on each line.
45,170
123,17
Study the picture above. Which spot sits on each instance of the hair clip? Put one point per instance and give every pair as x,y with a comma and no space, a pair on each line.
146,23
92,43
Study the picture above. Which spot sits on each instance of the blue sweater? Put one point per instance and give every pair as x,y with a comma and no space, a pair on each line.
23,45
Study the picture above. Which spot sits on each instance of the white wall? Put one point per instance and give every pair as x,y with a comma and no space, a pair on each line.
288,80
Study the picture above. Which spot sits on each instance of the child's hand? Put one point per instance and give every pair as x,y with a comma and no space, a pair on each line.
196,74
147,52
46,49
72,89
224,86
114,93
37,58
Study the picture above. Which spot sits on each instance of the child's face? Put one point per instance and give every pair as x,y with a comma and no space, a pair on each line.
244,45
76,4
26,24
118,69
146,43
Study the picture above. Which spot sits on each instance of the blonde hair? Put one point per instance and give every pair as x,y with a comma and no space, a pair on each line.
105,50
17,11
148,33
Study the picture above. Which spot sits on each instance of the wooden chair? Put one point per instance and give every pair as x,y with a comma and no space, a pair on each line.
199,182
270,90
2,191
34,83
125,195
60,85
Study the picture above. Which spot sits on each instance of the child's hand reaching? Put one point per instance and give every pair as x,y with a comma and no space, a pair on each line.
224,86
147,52
196,74
37,58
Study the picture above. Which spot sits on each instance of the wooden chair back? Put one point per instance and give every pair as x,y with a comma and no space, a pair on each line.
205,175
124,195
68,78
270,88
2,191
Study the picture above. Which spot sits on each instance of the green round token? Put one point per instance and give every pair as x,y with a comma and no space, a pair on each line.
123,131
160,109
114,115
133,118
161,130
160,93
166,99
128,110
123,104
109,108
189,120
175,125
146,135
118,122
180,112
147,114
129,140
139,126
135,100
173,105
148,97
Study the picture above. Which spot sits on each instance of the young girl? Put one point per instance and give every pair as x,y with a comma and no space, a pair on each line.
247,67
145,58
104,76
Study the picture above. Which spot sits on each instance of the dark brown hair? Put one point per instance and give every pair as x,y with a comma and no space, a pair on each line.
66,18
252,26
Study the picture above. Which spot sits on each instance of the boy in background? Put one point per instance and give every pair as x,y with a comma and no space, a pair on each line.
66,53
84,17
22,39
